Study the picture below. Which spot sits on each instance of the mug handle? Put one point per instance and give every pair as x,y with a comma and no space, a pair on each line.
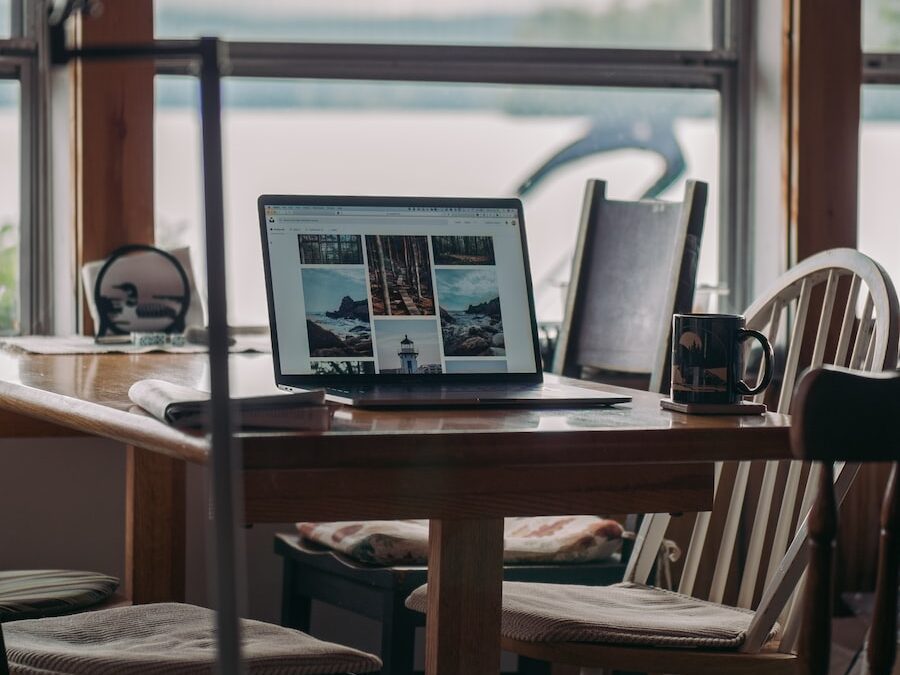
742,335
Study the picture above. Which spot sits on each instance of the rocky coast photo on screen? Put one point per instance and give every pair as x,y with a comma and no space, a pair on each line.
337,312
471,322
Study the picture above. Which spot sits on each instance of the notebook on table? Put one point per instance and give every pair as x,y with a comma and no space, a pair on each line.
406,301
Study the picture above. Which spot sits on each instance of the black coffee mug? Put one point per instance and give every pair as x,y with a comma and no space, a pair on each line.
707,360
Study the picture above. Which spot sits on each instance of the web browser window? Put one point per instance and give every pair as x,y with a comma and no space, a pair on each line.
403,290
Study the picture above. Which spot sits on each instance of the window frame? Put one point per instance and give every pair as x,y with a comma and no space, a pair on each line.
725,68
881,68
20,59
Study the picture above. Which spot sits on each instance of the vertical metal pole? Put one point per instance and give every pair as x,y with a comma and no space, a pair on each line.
226,464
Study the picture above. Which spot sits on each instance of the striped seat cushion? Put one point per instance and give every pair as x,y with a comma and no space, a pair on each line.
626,614
164,639
33,594
542,539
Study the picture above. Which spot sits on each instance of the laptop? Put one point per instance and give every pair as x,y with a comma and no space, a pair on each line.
406,302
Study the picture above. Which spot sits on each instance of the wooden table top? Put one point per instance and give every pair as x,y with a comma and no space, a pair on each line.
89,394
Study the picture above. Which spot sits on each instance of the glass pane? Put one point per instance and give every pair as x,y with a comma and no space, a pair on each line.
542,143
675,24
881,26
879,166
5,17
9,207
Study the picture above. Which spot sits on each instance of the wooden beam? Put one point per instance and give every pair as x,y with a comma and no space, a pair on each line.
154,527
112,141
465,579
112,137
821,120
823,74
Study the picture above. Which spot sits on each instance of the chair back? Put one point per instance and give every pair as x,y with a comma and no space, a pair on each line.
813,315
842,415
635,265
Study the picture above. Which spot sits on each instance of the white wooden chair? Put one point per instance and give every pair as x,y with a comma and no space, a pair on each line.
639,628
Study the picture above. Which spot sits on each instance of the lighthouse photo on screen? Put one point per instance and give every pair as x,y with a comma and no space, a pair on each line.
408,346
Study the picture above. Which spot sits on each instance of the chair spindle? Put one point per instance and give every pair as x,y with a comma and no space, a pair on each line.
840,355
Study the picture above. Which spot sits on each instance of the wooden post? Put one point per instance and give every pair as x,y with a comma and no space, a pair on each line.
823,74
112,137
154,527
465,579
821,119
112,141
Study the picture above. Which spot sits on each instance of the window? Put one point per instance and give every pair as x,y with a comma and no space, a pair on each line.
10,183
647,24
522,124
879,139
5,17
881,26
9,207
879,166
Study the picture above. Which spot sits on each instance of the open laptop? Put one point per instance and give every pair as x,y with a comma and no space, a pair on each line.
406,301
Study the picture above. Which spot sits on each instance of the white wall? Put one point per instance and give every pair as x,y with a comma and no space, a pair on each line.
61,505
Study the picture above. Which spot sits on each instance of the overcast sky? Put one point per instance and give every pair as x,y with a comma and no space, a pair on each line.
457,289
405,8
324,288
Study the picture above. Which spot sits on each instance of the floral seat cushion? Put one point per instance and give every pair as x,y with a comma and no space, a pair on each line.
543,539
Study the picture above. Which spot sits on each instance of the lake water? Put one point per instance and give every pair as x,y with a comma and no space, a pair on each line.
440,153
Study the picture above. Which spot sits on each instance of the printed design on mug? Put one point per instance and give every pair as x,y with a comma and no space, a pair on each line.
702,363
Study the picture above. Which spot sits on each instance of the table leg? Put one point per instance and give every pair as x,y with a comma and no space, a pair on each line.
154,527
465,577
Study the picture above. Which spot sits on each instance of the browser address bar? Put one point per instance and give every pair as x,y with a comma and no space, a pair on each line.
341,221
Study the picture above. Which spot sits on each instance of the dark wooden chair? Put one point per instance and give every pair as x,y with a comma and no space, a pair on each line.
842,415
635,265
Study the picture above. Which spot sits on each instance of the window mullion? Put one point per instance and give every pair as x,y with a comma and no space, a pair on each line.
17,19
35,270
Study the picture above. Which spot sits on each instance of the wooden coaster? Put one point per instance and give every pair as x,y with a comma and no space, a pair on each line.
742,408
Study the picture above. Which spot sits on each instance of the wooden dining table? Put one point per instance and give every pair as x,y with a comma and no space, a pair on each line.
465,469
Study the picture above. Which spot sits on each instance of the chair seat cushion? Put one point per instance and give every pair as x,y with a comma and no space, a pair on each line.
32,594
166,638
626,613
559,539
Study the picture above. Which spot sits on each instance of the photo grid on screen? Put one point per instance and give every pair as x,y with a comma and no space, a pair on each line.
401,304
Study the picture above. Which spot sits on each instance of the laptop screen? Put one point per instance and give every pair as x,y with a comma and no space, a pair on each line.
388,286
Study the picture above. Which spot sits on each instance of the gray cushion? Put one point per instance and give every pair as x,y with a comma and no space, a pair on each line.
166,638
33,594
623,613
